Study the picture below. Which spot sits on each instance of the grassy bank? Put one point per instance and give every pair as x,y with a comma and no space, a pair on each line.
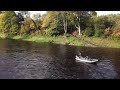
86,41
103,42
59,39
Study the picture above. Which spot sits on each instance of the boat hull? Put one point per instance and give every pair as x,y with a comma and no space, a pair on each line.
86,61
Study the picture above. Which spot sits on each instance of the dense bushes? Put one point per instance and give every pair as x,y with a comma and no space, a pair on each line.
9,23
89,32
23,30
28,27
102,26
52,23
102,22
99,32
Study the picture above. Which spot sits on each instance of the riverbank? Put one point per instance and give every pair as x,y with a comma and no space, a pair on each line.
70,40
58,40
103,42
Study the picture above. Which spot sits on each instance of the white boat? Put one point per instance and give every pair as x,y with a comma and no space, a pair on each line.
87,60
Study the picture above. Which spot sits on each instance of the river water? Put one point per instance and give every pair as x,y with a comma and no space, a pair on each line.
30,60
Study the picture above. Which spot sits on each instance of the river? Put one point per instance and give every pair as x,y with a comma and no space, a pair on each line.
30,60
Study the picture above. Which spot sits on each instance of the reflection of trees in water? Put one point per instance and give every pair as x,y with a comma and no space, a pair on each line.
4,44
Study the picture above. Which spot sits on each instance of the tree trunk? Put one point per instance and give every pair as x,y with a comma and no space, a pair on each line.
35,24
79,30
79,26
66,27
65,30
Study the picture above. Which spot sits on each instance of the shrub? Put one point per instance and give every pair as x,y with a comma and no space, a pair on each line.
23,30
99,32
89,32
37,32
103,22
67,35
9,22
28,27
50,32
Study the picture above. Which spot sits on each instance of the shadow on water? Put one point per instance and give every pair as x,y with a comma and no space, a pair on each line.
30,60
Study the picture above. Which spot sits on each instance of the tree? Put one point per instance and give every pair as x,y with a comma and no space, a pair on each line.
36,19
36,27
9,22
93,13
77,14
21,18
62,20
36,16
25,14
81,18
52,22
65,16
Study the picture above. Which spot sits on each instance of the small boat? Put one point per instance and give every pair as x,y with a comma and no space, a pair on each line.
86,60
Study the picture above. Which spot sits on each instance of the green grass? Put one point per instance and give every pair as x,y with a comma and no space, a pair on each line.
58,40
99,42
103,42
74,41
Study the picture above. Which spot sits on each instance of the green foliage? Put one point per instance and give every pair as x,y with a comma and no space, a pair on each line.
89,32
49,20
93,13
38,23
23,30
99,32
50,32
57,27
114,38
80,18
103,22
28,27
57,20
9,22
67,35
55,23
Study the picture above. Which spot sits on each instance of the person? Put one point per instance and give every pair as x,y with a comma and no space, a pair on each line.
80,55
87,57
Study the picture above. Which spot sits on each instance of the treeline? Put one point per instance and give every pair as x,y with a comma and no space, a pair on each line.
55,23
